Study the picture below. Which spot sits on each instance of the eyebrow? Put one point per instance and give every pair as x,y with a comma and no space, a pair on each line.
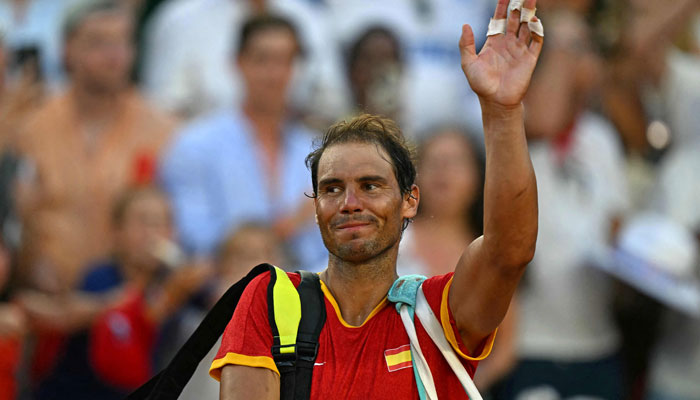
372,178
368,178
329,181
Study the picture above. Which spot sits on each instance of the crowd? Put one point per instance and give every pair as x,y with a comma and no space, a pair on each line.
153,151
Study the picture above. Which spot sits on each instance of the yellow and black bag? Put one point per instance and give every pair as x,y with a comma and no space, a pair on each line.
296,318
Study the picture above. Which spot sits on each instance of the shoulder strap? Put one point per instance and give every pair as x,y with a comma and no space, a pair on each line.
297,316
169,383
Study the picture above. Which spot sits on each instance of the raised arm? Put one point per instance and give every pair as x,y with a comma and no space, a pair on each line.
489,270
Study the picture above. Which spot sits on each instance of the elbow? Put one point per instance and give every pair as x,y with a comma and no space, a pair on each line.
516,257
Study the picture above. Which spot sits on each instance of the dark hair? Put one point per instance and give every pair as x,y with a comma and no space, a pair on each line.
366,128
263,22
128,197
80,11
353,51
475,209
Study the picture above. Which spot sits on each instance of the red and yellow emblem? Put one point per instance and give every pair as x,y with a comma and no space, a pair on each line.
398,358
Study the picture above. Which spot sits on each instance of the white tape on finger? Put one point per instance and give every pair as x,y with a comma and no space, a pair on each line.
526,14
515,5
496,27
536,27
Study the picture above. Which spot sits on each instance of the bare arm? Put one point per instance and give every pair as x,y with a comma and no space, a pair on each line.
489,270
240,382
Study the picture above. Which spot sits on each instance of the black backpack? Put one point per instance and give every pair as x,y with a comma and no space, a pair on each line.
295,361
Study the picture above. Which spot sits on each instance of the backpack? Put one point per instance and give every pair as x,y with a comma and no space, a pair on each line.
296,315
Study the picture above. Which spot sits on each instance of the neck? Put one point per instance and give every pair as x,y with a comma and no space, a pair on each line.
95,105
359,287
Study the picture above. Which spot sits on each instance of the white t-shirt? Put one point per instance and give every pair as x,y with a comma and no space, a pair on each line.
40,28
675,365
565,304
190,51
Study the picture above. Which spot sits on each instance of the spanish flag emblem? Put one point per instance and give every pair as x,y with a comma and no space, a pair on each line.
398,358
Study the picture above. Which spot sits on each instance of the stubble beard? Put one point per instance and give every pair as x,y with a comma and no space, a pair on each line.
363,251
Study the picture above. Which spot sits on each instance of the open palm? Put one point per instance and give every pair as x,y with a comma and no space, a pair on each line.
501,72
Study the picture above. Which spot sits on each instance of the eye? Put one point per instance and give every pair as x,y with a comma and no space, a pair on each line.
332,189
371,186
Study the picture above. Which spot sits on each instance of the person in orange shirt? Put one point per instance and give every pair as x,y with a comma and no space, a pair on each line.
84,146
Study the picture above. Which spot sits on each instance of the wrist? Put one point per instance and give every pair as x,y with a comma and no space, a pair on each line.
492,111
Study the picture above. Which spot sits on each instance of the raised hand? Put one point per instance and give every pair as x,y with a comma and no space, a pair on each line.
500,74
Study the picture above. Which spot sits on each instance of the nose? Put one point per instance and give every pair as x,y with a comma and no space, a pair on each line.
351,203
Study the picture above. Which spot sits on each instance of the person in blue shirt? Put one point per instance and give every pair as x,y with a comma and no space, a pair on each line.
247,164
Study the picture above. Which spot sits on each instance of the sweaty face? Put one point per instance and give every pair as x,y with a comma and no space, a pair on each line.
359,205
100,52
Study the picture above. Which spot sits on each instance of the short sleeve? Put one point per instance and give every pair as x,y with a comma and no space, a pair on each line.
436,290
247,339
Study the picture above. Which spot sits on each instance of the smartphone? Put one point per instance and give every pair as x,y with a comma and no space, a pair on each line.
26,61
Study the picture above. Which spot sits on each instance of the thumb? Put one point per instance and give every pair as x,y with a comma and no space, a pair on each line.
467,47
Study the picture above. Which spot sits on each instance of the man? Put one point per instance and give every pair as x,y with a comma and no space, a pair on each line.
113,322
187,67
84,146
363,196
246,164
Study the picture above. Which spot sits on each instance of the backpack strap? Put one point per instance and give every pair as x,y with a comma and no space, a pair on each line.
169,383
297,316
407,293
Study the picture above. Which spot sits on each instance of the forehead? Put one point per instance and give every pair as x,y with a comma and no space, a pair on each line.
278,39
102,22
348,161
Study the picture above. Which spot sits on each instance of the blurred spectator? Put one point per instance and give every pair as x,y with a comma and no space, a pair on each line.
85,146
450,176
123,302
19,97
648,79
428,30
375,72
248,163
188,69
13,327
33,37
568,343
251,244
675,362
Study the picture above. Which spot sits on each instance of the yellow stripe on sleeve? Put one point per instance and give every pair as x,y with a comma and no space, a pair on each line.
241,359
450,334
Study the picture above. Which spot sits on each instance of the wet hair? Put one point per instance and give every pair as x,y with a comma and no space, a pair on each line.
82,10
128,197
264,22
366,128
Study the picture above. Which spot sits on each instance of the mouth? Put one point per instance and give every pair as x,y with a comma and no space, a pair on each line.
352,226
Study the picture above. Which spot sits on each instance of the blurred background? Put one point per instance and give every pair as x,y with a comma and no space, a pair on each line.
152,152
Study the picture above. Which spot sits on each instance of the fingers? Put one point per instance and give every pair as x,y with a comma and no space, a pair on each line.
467,48
530,4
536,44
524,34
501,10
513,23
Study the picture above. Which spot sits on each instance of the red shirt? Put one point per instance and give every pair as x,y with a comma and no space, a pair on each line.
354,362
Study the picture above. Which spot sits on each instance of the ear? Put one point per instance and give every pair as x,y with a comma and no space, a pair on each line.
410,203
